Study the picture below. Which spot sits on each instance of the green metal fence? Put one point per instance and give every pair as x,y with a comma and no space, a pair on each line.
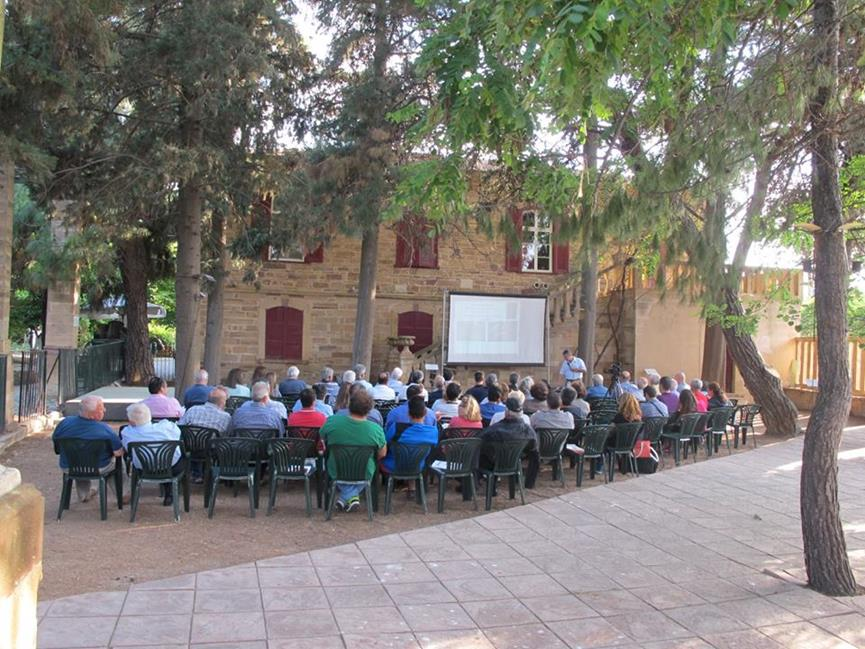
85,370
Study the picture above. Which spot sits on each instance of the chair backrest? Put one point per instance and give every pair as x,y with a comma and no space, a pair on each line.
507,454
625,435
595,439
288,400
452,432
304,432
460,453
688,423
288,455
576,435
195,438
385,408
83,456
747,414
384,403
719,417
702,423
408,458
603,411
233,455
485,422
153,459
350,461
733,402
401,428
261,434
233,403
552,441
653,427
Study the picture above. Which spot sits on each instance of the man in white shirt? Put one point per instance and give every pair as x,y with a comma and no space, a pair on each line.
360,377
572,368
395,382
140,429
519,396
382,391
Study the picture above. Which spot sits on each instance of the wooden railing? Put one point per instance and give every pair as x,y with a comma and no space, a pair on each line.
806,364
755,281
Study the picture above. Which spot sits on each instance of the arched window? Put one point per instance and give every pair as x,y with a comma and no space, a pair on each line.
417,324
283,333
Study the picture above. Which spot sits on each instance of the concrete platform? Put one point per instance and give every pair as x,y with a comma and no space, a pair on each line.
116,400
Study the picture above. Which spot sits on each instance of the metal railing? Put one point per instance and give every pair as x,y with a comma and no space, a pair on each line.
31,373
3,360
99,364
807,375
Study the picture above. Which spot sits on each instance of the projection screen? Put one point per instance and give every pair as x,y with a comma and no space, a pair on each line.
496,330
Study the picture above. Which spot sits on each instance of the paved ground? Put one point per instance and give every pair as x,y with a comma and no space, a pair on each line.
707,555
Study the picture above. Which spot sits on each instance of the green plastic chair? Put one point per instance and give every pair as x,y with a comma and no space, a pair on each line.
718,420
288,400
702,435
576,437
594,448
312,433
603,411
263,435
744,422
460,457
551,444
195,439
233,403
83,457
408,462
350,463
507,462
679,432
157,460
652,429
288,462
624,438
234,459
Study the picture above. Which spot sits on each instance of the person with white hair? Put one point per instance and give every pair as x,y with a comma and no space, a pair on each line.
395,382
329,383
681,381
292,385
628,387
196,394
360,377
700,397
598,389
257,413
88,424
349,376
142,429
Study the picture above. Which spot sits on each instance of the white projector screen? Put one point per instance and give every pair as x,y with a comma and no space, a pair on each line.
496,330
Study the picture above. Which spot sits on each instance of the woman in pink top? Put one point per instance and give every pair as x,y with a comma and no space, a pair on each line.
469,414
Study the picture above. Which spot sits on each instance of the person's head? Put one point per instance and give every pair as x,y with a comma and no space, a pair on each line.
416,408
259,373
568,395
568,355
270,377
235,377
320,390
518,395
138,414
629,407
360,371
92,407
292,372
360,402
260,392
439,382
597,380
349,376
642,382
343,395
680,378
469,408
452,391
218,396
625,376
696,384
716,391
479,378
554,401
687,402
526,384
415,376
307,398
539,392
491,379
156,385
514,408
494,395
448,374
650,392
396,374
666,384
654,379
413,390
382,378
513,380
327,375
201,377
579,388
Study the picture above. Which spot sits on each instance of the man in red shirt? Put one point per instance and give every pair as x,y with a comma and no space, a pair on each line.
701,399
307,416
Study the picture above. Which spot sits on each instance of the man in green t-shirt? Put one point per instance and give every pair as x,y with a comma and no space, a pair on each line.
355,429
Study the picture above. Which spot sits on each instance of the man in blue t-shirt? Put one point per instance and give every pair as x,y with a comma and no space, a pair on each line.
416,433
196,394
493,404
399,415
89,425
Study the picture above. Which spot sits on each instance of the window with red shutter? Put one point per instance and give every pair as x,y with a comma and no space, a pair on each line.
533,247
417,246
418,324
283,333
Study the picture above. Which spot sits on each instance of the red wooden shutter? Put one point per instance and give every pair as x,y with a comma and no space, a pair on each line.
418,324
283,333
316,256
561,252
513,245
403,245
426,248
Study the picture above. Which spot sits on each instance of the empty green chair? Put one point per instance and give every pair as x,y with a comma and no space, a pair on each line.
719,418
744,422
153,463
288,462
460,459
84,458
234,459
679,433
551,444
233,403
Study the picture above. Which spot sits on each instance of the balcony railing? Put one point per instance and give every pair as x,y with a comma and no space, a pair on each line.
807,375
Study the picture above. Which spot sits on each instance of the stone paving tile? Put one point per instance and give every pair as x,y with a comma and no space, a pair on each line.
222,627
227,601
614,602
300,623
436,617
757,612
419,593
182,582
321,642
256,644
804,634
153,629
682,643
808,604
288,577
469,590
381,640
849,627
511,567
158,602
373,595
384,619
288,599
670,596
532,585
750,639
558,608
401,573
500,612
68,633
354,575
705,618
471,639
446,570
228,578
102,604
589,633
532,636
647,626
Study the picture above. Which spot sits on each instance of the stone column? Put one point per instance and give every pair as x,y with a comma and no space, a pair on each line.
7,190
61,313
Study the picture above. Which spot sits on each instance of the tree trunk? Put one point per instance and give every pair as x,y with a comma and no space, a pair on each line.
589,269
7,188
132,255
216,302
826,560
186,283
361,351
714,354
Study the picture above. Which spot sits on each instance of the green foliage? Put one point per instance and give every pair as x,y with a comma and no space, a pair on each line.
26,312
164,332
744,325
161,292
801,316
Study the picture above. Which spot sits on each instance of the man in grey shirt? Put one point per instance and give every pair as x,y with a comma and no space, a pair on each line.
554,417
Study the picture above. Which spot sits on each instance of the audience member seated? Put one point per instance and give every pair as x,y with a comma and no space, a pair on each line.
629,410
449,405
513,382
669,397
354,429
210,415
581,395
525,386
538,399
307,415
414,377
374,415
399,414
270,377
479,389
520,397
438,391
493,404
512,426
652,406
382,391
701,399
687,405
598,390
417,433
717,398
342,397
553,416
628,387
395,383
578,408
330,384
275,404
196,394
235,383
469,414
642,382
256,413
360,377
140,429
320,392
448,375
291,385
159,403
258,374
681,382
88,425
